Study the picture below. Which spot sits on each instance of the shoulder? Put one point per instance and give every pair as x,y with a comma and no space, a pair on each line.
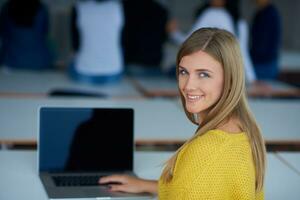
235,159
216,146
216,12
272,8
270,11
208,141
206,149
216,17
219,159
220,136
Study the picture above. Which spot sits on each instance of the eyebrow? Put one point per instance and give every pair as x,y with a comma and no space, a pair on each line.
198,70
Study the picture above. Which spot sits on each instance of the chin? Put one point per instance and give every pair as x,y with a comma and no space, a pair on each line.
192,110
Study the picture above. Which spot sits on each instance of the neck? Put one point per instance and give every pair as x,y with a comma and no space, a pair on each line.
201,116
232,125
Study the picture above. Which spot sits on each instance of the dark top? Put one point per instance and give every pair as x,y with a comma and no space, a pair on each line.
144,32
75,37
265,35
24,45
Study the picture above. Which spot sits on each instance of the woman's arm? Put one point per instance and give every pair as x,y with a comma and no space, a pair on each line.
130,184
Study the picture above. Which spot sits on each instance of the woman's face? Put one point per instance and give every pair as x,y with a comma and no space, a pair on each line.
201,80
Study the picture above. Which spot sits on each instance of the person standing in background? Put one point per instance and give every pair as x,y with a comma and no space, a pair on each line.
24,32
96,27
266,40
144,35
222,14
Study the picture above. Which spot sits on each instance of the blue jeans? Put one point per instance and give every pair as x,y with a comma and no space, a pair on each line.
93,79
266,71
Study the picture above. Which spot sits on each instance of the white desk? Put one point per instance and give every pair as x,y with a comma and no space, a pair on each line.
281,182
40,83
279,119
292,159
289,61
19,177
154,119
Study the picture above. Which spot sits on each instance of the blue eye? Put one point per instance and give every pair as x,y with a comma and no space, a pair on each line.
204,75
182,72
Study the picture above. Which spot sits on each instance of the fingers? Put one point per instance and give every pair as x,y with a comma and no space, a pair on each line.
121,183
118,188
113,178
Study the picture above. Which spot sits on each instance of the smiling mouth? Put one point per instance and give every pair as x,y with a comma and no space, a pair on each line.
193,98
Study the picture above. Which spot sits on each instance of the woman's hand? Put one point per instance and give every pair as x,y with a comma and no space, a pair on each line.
130,184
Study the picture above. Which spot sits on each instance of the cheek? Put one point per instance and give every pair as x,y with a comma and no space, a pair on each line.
219,89
181,83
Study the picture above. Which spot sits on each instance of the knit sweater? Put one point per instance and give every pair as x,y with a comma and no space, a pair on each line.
216,165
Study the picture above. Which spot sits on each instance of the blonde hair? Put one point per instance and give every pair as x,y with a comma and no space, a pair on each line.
223,47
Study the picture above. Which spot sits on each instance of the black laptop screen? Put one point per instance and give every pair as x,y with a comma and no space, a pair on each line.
85,139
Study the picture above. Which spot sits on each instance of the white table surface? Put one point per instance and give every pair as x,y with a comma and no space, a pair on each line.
290,61
32,82
19,176
292,158
281,182
278,119
155,119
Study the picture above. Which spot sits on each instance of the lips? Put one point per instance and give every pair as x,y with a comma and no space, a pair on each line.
194,98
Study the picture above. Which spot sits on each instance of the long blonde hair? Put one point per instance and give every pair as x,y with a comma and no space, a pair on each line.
223,47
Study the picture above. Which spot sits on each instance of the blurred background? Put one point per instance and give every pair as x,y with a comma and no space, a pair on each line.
183,12
70,53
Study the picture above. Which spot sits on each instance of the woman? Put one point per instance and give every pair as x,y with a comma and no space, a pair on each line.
225,159
223,14
96,40
24,32
265,43
144,19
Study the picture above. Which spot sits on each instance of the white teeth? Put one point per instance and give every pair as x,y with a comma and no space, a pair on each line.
192,97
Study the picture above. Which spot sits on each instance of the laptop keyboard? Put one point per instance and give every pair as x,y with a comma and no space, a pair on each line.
76,180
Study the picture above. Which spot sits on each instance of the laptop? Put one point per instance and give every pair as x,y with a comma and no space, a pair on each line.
79,145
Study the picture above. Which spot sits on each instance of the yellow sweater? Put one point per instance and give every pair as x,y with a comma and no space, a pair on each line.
217,165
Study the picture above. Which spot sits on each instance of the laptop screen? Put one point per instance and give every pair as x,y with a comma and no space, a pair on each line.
85,139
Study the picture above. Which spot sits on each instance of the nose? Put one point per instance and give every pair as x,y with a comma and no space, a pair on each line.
190,84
